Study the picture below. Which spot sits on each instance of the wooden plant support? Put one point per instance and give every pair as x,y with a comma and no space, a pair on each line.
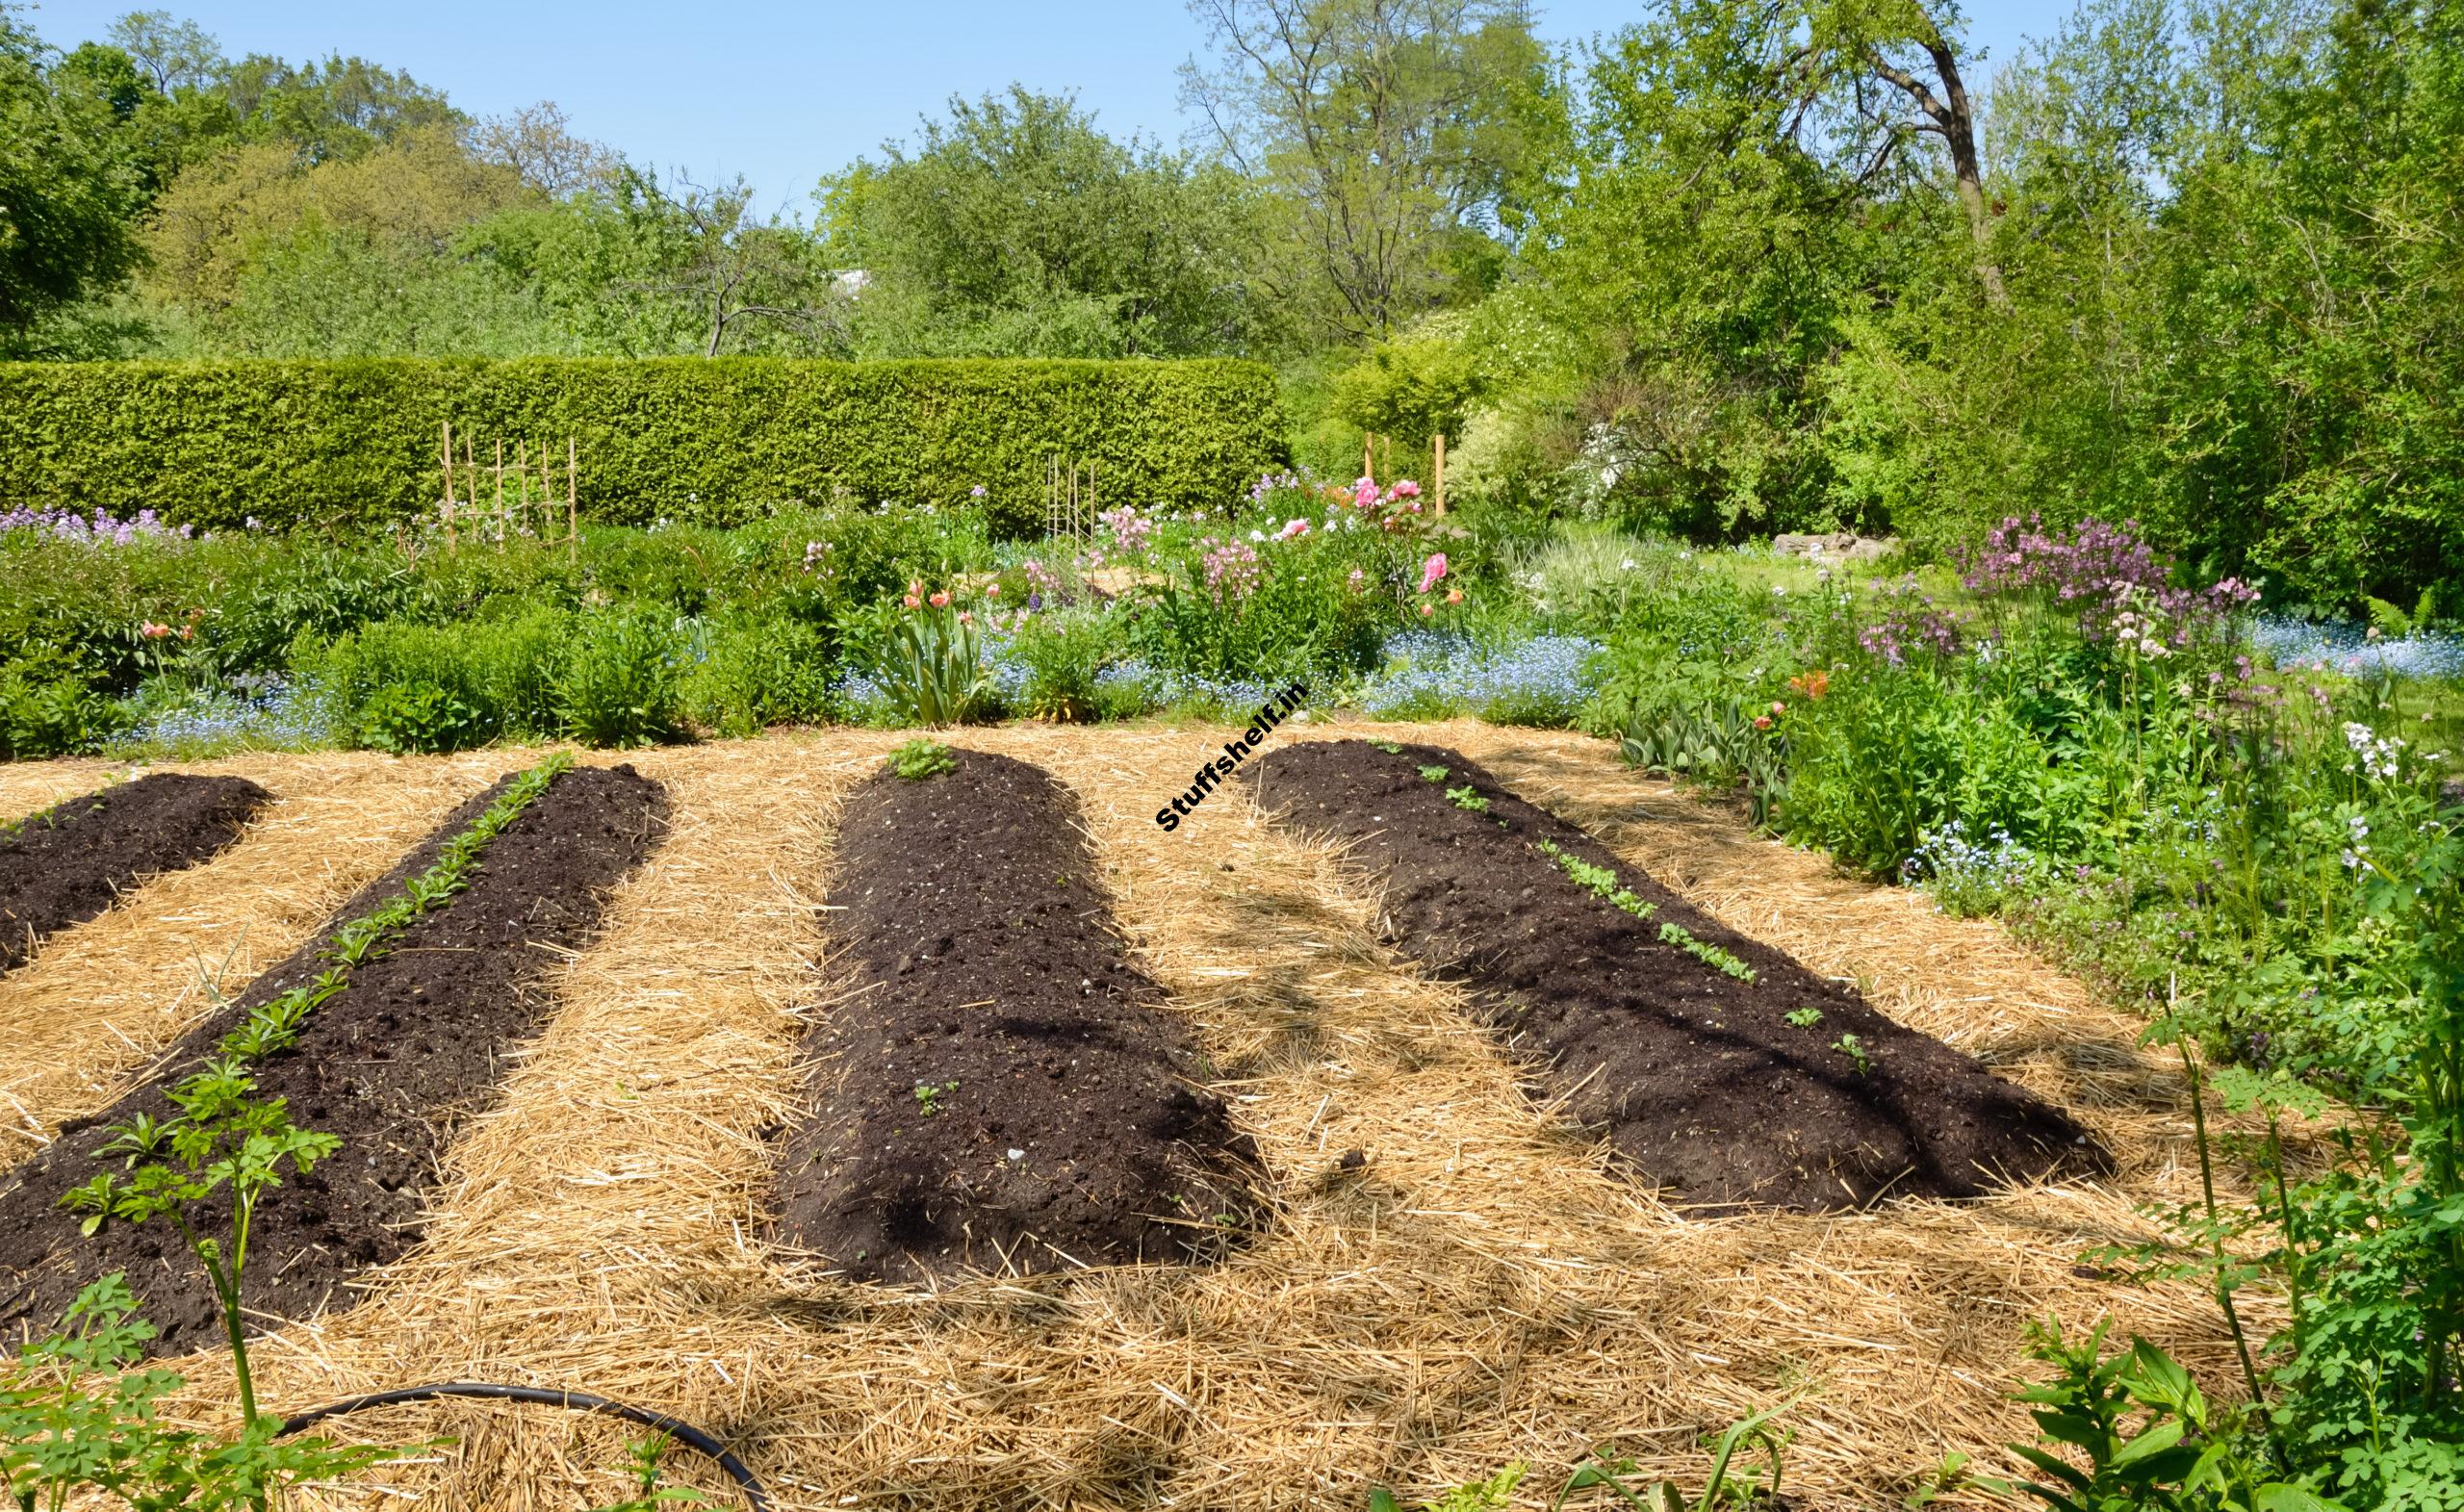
499,495
1368,459
449,486
573,497
1440,480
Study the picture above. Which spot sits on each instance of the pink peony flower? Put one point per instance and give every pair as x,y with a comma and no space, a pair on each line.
1432,570
1293,529
1407,489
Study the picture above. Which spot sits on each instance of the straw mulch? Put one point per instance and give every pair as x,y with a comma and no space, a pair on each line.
1478,1291
97,1003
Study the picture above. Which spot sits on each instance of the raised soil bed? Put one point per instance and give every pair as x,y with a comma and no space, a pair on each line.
994,1087
390,1064
72,863
1701,1081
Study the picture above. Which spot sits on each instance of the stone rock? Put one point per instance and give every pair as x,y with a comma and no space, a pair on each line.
1840,545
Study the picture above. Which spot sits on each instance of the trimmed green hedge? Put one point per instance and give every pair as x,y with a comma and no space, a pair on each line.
355,442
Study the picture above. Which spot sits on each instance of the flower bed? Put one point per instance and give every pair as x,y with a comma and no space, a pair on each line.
409,1043
999,1089
69,864
1716,1067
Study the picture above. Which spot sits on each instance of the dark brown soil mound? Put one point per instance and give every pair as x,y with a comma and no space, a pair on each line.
1699,1080
389,1065
997,1090
67,866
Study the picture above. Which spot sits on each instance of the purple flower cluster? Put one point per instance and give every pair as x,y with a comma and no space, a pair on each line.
2105,572
1232,570
97,529
1910,623
1129,532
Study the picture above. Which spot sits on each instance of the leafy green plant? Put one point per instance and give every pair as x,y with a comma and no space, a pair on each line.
416,717
1432,774
1804,1017
1704,951
76,1415
1496,1494
920,758
929,1096
2151,1441
933,670
1727,1485
1467,798
1598,880
1855,1050
621,682
645,1460
1388,745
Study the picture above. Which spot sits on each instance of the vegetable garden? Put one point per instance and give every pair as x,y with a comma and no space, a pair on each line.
822,1106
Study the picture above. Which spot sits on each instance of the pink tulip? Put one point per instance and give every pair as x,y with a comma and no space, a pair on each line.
940,601
992,590
1454,596
1427,609
913,602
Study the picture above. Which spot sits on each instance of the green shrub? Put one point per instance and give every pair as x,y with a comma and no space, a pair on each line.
753,674
1066,653
621,681
416,717
717,442
53,716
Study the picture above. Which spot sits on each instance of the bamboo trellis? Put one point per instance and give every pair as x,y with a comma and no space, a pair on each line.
514,509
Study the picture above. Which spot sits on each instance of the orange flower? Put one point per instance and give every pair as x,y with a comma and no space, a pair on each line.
940,601
1761,720
1813,684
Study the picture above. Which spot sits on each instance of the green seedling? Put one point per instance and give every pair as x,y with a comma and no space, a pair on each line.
927,1096
1467,798
1854,1049
644,1459
1434,774
1704,951
1804,1017
920,758
1600,880
1388,745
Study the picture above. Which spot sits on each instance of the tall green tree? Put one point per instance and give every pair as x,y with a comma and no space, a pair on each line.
70,182
1395,137
1016,226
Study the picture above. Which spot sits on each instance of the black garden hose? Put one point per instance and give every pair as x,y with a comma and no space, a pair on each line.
572,1401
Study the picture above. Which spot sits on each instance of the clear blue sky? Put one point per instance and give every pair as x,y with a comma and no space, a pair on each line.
781,91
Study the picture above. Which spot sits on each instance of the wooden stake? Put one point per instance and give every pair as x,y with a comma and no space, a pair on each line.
448,485
1441,471
1368,463
573,496
500,494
